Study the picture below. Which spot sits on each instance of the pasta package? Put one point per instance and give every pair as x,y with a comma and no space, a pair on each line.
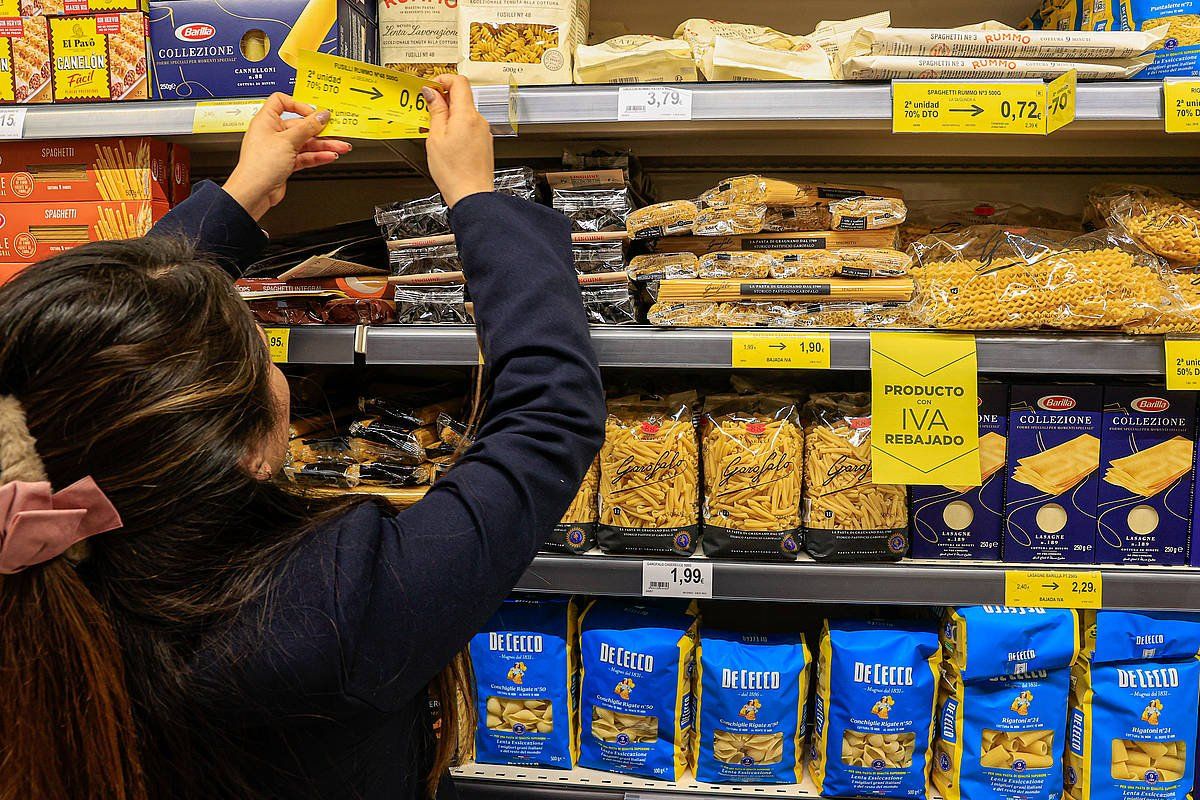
636,689
800,240
731,51
882,68
1051,478
1159,220
753,464
867,213
635,59
662,266
576,532
662,219
25,61
750,708
844,289
1147,454
966,522
947,216
847,516
1111,637
99,57
987,41
873,712
1001,738
520,41
848,262
649,478
524,661
759,190
982,642
419,38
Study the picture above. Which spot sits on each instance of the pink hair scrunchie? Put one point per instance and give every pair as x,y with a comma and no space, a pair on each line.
37,525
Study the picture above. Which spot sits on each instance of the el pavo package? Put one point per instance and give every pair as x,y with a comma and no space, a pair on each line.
636,689
1002,703
752,690
873,713
524,663
1134,695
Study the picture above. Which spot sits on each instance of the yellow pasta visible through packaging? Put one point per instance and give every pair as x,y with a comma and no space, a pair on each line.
607,725
1148,762
1017,750
892,750
757,748
514,714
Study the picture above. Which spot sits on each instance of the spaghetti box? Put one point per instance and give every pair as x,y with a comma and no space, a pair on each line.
965,522
30,232
1051,485
1147,459
133,168
249,48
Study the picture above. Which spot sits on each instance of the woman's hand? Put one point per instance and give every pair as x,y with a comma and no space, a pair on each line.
460,144
273,148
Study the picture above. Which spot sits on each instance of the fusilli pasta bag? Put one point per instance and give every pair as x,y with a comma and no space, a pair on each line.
520,41
649,479
753,460
576,532
848,517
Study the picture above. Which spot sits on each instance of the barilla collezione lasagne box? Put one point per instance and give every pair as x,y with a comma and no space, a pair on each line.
966,521
1051,486
1146,461
249,48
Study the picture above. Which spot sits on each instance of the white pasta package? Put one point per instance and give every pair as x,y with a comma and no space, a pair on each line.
419,38
732,51
883,68
636,689
635,58
752,690
1133,719
524,662
873,712
520,41
993,41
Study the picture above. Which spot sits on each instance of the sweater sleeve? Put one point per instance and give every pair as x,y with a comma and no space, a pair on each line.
217,226
437,571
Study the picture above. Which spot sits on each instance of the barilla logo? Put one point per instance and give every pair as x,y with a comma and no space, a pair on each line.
1151,405
195,32
1056,402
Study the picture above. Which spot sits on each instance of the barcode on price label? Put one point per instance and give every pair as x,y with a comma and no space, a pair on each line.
653,103
683,578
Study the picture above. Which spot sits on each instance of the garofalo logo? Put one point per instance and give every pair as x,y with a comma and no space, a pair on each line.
667,460
774,466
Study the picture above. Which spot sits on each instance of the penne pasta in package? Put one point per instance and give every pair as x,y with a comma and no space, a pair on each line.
649,478
753,460
873,712
576,532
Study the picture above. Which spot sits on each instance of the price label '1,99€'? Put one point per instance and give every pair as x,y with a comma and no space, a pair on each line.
684,578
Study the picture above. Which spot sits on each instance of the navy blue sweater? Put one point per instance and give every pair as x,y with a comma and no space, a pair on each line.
370,608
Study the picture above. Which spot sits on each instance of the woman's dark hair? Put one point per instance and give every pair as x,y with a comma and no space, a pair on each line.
137,364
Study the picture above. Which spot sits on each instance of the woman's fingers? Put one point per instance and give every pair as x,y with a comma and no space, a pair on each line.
327,145
310,126
309,160
279,103
462,100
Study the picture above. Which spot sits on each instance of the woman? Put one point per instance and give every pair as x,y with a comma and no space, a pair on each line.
224,638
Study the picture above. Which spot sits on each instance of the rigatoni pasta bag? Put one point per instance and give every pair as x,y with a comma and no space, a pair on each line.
524,662
649,478
847,516
576,531
636,689
1134,696
751,696
873,712
753,464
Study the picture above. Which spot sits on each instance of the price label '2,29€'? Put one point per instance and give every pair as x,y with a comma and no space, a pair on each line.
683,578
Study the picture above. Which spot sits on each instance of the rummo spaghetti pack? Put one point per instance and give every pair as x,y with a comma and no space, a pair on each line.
966,521
1132,732
1051,484
1145,494
636,696
751,693
1002,702
873,712
524,662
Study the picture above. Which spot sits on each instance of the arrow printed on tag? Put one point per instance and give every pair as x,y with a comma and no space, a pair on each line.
373,92
974,110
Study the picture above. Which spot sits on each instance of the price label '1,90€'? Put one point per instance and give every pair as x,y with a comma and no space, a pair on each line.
684,578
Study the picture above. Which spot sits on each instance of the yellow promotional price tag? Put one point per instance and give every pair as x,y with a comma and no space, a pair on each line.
1183,363
224,116
807,350
367,102
277,341
925,409
1036,588
1181,105
1019,106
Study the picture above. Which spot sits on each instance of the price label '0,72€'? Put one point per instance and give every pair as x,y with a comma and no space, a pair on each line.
1017,106
684,578
653,103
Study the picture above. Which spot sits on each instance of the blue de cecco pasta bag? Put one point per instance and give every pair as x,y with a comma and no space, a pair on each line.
524,664
636,696
750,702
1132,727
873,713
1003,703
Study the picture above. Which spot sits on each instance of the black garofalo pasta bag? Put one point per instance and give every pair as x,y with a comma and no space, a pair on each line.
576,531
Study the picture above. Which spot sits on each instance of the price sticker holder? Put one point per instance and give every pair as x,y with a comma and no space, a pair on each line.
224,116
366,101
1014,107
12,122
1182,357
1181,105
1036,588
784,350
278,341
653,104
687,577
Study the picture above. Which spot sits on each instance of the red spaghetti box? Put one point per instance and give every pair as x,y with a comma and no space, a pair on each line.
30,232
136,168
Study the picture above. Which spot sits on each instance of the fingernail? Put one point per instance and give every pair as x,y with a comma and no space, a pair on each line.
429,94
323,116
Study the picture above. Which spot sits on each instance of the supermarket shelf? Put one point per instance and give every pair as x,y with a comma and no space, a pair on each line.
319,344
905,583
1097,354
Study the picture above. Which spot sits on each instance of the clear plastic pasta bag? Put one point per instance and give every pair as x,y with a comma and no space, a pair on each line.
591,257
429,216
576,531
947,216
846,516
609,305
649,477
1163,222
425,260
600,209
992,278
753,460
430,305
